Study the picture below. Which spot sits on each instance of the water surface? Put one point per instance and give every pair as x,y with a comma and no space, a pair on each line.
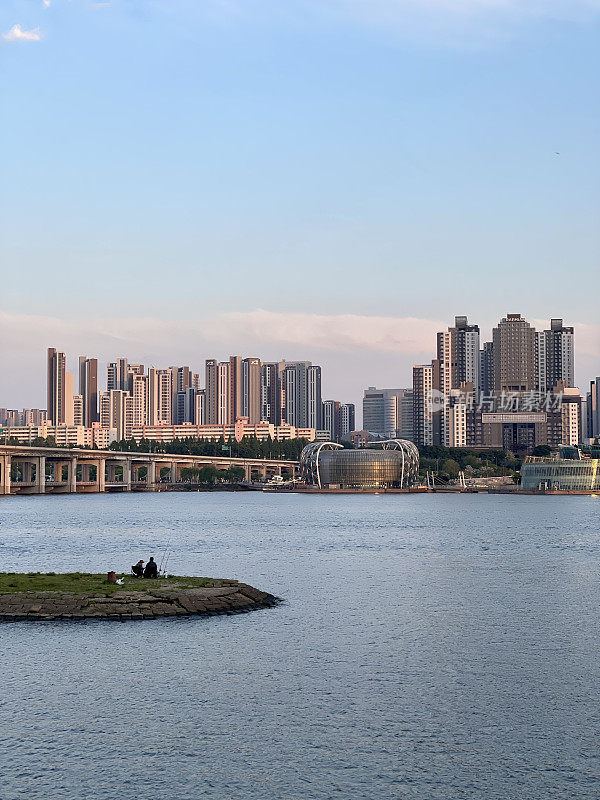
429,647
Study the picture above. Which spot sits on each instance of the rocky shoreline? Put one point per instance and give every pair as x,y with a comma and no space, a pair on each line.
220,597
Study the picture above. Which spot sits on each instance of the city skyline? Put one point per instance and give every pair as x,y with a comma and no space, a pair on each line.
353,361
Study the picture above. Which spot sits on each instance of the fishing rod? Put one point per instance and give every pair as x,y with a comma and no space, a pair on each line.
164,557
168,556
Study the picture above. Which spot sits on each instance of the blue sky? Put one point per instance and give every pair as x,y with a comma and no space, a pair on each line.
182,180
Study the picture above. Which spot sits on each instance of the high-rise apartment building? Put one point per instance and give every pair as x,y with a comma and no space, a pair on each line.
184,409
332,419
212,392
422,407
116,375
295,387
467,353
593,410
183,378
270,393
406,428
457,363
200,408
314,403
347,420
11,417
56,386
251,391
555,356
68,398
486,369
79,411
236,389
116,411
119,372
139,394
514,355
88,389
223,393
160,396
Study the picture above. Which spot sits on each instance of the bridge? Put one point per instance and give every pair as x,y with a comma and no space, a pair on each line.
56,470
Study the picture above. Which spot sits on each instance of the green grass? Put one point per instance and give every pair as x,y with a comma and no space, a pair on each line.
88,583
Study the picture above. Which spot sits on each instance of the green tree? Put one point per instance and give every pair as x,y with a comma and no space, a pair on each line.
451,467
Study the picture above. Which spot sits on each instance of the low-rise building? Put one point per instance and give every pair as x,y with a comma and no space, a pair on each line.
571,469
64,435
263,431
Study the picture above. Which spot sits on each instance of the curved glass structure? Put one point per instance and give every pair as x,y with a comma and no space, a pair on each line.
389,464
564,474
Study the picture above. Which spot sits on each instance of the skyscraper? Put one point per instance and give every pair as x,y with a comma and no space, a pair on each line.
332,419
78,410
69,418
251,390
200,409
88,389
270,392
295,387
160,396
555,356
486,369
314,404
514,355
184,409
211,391
236,390
467,353
116,411
56,386
223,393
457,363
347,420
422,408
381,411
118,375
139,394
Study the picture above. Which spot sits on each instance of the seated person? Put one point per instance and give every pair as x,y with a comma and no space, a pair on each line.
151,570
138,569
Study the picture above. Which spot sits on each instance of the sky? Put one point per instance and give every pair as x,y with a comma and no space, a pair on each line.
331,180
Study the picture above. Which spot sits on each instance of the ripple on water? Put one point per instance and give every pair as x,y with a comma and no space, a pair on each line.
429,648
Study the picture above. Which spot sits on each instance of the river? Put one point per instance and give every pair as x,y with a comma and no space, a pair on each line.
428,647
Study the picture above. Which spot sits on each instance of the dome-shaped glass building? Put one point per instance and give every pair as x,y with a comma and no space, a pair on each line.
393,464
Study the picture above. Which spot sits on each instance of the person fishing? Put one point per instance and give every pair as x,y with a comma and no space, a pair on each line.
151,570
138,569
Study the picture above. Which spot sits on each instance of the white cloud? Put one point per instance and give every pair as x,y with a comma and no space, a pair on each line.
46,3
17,34
339,332
355,350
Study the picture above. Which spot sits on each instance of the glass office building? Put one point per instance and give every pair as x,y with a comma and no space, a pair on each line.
392,464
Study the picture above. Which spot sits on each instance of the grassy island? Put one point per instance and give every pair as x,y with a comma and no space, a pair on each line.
81,595
86,583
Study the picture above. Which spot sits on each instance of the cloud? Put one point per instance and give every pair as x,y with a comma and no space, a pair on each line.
355,350
17,34
339,332
46,3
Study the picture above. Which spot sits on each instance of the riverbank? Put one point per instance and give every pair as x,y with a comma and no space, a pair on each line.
79,596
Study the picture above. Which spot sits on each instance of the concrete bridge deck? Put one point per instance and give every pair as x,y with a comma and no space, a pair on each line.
43,470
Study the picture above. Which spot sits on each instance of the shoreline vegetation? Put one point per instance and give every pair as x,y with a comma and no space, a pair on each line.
446,462
80,595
